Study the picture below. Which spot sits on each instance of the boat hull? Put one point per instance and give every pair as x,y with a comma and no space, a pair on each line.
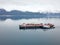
34,27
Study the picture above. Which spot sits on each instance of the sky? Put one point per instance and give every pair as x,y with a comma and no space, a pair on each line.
31,5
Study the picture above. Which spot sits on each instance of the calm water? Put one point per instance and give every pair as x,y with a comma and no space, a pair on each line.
10,34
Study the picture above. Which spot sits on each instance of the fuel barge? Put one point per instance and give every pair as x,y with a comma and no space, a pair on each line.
36,26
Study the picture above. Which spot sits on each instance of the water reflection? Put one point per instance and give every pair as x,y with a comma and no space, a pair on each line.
15,17
36,29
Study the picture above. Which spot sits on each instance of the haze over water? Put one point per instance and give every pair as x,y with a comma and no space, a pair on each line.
10,34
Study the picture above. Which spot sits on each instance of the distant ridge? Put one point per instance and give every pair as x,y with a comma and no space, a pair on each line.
27,14
18,12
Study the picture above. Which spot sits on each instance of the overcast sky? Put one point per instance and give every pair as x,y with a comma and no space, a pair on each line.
31,5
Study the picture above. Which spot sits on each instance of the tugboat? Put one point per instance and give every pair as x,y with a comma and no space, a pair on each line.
36,26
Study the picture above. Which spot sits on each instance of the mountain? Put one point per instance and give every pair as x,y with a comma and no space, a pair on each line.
2,11
17,12
27,14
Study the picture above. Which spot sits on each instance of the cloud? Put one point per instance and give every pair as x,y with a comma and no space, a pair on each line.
30,4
